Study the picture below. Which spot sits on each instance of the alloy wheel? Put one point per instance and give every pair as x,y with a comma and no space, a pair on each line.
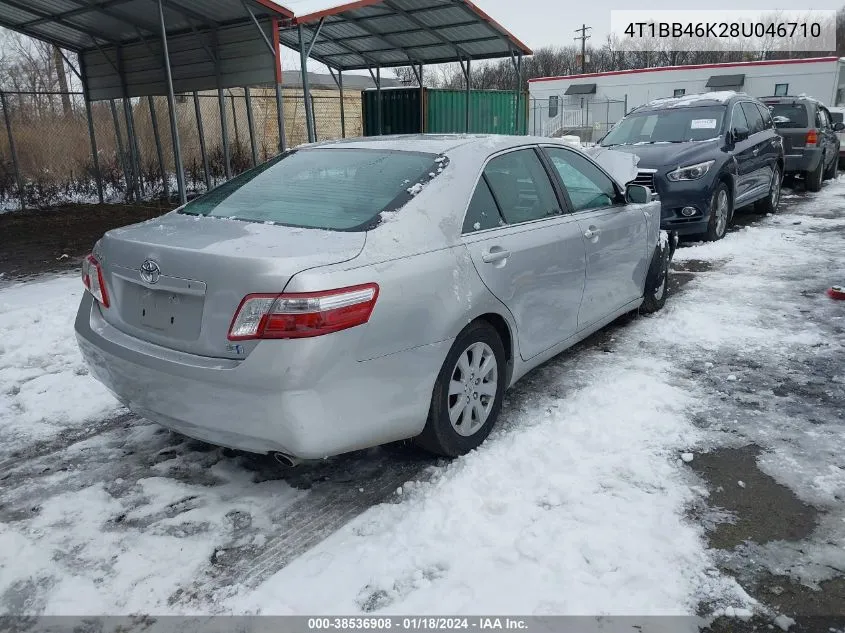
721,212
472,389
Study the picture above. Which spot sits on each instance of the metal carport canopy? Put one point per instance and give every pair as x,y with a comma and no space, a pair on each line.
119,41
387,33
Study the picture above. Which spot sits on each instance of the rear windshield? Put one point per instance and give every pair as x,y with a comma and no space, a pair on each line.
789,114
836,117
668,125
322,188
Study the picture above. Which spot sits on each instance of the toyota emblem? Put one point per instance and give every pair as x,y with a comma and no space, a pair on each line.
150,272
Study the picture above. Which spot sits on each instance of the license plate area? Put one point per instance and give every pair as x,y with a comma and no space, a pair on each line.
173,308
175,315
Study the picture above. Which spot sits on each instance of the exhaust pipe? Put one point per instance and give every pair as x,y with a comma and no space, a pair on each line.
287,460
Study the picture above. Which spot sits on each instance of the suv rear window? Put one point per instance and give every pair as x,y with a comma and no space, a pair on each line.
323,188
789,114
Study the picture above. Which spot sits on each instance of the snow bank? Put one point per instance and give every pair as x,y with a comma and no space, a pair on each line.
575,507
45,384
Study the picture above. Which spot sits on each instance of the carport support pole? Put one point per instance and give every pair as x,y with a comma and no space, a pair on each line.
517,116
422,102
224,131
306,92
12,149
378,98
250,123
201,131
165,184
90,116
221,102
280,117
467,74
119,139
171,100
134,153
131,139
342,106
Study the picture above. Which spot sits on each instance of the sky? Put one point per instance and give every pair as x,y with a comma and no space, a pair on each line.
549,23
553,22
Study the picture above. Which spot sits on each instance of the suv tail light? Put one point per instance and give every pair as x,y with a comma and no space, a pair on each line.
302,314
812,138
92,277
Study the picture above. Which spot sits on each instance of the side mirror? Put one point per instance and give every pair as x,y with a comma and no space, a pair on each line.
740,134
838,127
637,194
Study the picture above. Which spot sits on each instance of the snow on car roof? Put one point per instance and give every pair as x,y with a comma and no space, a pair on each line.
437,143
719,96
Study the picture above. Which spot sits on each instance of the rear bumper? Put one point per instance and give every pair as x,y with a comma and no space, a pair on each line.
802,160
308,398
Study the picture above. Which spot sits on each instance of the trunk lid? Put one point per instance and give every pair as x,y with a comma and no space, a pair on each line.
177,280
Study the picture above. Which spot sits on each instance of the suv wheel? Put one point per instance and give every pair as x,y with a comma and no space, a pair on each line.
468,393
720,213
769,204
813,179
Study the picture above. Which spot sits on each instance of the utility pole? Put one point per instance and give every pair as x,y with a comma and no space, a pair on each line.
584,37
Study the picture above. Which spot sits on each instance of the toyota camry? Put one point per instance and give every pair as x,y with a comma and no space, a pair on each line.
351,293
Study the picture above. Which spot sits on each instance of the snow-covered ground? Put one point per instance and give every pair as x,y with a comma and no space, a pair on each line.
579,503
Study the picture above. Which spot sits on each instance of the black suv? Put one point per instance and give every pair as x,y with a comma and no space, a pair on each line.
809,138
704,156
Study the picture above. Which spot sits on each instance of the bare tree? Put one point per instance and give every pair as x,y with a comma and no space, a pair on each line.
59,65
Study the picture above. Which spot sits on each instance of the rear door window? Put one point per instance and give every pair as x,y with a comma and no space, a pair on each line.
521,186
752,115
482,212
323,188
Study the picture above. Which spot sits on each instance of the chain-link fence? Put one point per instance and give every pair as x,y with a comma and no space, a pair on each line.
46,159
577,115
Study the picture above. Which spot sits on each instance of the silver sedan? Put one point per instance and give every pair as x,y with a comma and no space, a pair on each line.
353,293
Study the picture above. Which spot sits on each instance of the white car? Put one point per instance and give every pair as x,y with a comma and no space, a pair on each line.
837,115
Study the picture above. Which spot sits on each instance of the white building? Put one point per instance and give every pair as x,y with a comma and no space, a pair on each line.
588,104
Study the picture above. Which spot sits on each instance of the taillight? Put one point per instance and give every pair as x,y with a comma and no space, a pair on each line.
92,277
302,314
812,138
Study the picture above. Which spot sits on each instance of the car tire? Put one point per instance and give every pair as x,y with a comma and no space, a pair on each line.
657,280
832,172
813,179
444,433
770,203
720,215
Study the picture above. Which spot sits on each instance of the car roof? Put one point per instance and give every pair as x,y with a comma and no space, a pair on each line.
716,98
435,143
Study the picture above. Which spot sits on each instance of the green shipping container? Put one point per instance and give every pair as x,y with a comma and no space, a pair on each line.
491,111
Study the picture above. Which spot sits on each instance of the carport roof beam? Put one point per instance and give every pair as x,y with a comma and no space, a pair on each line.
389,33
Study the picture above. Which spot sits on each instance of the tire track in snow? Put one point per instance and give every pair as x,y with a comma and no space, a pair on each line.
62,441
346,487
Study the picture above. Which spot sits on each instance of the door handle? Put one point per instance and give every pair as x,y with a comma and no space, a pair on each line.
592,232
495,254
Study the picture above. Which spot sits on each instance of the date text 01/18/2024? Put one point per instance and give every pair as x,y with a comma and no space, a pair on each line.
432,623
